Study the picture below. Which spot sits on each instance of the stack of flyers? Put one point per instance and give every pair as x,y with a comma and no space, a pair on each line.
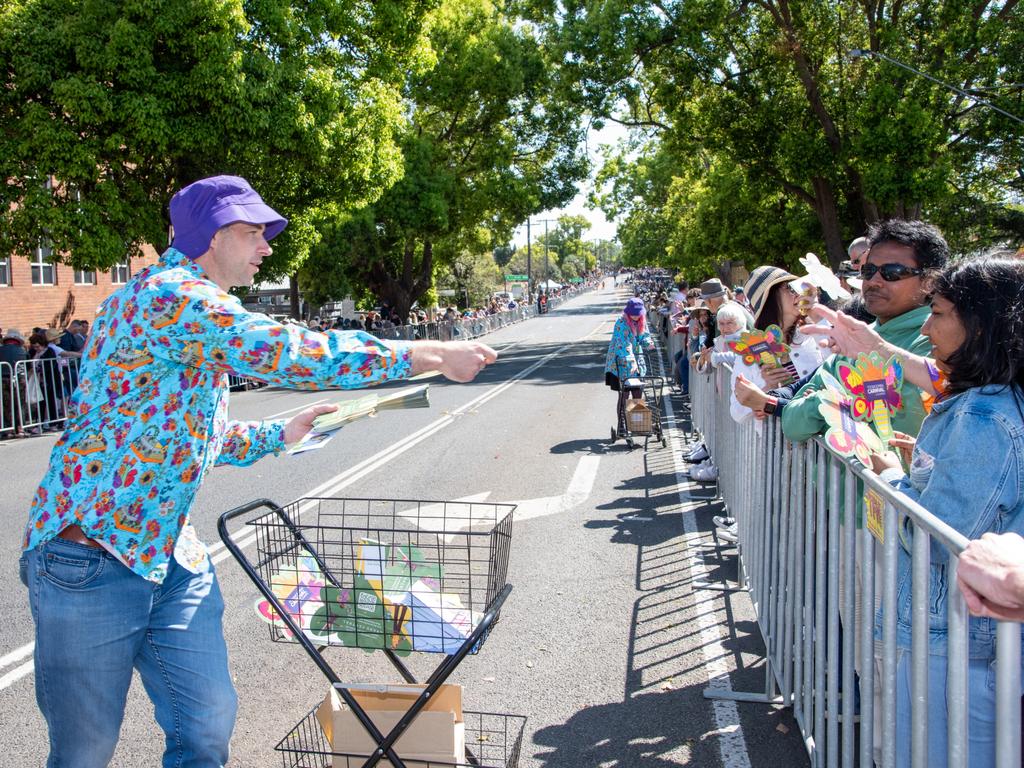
360,407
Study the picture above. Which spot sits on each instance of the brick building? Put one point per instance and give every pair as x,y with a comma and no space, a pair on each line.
35,292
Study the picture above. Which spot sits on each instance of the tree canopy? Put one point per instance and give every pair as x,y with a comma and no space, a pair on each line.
486,143
124,102
755,117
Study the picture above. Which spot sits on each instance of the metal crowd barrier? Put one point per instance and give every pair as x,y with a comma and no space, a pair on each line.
816,579
34,394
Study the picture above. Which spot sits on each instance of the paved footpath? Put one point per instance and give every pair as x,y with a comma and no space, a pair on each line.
605,643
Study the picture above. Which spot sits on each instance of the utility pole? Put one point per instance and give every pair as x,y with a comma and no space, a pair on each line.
529,272
547,268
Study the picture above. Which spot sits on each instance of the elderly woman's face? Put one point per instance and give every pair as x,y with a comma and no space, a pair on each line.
944,330
728,325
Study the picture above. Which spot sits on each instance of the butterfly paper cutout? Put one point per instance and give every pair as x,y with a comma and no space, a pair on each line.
875,386
845,435
765,349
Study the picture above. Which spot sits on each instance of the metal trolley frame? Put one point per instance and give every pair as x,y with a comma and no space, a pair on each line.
652,393
460,548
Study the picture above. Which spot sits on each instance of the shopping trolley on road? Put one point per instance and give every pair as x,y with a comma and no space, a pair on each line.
399,576
643,420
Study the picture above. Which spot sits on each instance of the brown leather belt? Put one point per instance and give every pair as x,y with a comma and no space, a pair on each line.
75,534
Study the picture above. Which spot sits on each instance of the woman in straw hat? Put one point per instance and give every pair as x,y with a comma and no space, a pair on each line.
776,299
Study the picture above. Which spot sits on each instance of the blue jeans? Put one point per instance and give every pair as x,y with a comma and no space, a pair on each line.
981,711
95,621
683,371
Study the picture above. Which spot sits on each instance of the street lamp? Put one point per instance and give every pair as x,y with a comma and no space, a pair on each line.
858,53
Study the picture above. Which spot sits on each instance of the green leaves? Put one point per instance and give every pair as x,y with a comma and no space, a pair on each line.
124,102
485,144
765,89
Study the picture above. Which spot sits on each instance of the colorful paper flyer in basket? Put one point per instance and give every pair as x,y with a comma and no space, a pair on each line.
875,386
845,435
395,602
298,586
410,586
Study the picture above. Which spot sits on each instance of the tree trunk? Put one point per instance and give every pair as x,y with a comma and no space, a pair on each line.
401,292
293,296
828,218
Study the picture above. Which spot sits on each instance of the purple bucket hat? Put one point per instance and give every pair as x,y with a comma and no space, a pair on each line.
634,307
204,206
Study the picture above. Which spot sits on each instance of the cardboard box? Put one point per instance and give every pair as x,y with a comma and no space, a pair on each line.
638,417
437,736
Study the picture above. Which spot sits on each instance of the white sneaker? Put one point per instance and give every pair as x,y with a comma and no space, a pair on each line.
727,534
699,454
706,473
723,521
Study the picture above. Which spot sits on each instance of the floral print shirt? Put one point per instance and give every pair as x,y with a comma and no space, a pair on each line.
149,417
625,358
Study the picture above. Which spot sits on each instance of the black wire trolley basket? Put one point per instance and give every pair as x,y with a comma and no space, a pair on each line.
398,576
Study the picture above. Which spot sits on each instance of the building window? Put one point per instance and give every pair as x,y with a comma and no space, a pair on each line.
85,277
5,272
120,273
42,265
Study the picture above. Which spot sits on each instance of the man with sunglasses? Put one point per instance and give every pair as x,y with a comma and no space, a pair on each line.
895,288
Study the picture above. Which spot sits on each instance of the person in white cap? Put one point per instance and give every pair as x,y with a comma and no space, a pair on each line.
117,578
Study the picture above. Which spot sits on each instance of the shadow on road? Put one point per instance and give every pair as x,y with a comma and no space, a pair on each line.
663,718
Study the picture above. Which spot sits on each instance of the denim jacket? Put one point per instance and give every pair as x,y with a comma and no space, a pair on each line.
967,470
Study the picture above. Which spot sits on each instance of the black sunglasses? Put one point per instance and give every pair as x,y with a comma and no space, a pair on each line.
891,273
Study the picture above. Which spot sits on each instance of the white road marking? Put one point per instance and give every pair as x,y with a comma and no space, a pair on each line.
15,656
18,672
579,490
732,745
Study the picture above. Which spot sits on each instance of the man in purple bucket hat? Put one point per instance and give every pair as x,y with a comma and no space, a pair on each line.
117,578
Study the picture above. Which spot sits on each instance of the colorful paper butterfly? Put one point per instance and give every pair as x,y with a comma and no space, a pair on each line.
845,436
762,347
875,385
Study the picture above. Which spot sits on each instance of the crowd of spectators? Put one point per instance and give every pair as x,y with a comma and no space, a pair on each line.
957,329
38,374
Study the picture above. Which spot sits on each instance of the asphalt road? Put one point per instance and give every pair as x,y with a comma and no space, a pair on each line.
605,644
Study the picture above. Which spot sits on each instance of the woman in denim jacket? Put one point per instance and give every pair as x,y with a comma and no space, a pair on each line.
967,469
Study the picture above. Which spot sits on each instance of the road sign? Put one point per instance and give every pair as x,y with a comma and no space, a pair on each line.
516,278
575,279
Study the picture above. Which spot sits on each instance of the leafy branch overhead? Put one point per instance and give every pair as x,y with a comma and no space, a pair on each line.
485,144
765,140
122,103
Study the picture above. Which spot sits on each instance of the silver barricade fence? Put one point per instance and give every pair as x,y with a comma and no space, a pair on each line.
8,396
817,579
48,387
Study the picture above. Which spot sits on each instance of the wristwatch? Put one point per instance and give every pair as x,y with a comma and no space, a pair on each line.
770,406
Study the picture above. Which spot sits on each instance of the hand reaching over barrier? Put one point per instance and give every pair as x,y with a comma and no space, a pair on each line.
849,337
991,576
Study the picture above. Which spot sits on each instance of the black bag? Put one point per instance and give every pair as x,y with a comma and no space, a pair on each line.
611,380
